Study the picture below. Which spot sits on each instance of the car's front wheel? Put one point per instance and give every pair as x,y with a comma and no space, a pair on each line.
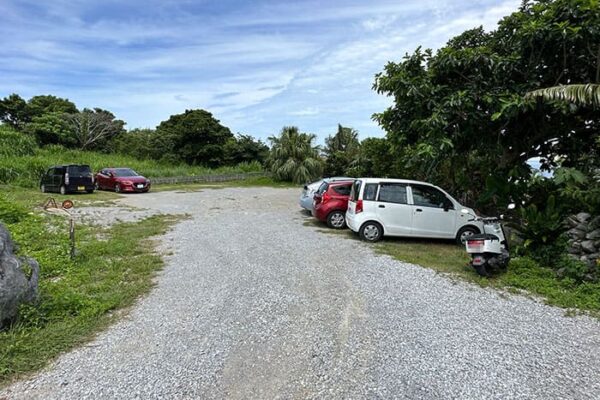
63,189
371,231
43,188
336,220
118,188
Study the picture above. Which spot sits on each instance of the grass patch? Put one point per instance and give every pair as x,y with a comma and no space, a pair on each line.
523,273
260,181
26,169
77,297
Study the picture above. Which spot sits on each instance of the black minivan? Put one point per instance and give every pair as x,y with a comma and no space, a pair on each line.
68,178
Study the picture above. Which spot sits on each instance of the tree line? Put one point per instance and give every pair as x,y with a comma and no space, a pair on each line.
194,137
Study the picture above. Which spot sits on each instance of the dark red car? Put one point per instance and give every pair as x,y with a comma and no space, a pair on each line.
331,202
121,180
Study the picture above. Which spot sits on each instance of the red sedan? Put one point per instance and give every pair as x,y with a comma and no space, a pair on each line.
331,202
121,180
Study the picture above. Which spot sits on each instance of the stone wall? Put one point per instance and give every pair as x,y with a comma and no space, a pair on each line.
584,238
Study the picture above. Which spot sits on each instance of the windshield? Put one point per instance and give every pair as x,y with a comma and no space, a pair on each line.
80,170
124,172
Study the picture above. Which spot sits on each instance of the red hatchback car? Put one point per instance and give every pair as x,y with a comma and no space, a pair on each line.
121,180
331,202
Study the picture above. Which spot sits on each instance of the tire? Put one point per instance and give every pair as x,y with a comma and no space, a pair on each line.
371,231
465,232
336,220
96,186
63,189
117,188
89,191
482,271
43,188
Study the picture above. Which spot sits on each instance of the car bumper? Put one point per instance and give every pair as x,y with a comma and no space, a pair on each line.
352,222
135,189
320,213
79,188
306,202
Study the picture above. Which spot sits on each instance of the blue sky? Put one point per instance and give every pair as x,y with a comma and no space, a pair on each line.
257,66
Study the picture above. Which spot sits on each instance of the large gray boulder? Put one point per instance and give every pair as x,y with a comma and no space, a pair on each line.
15,287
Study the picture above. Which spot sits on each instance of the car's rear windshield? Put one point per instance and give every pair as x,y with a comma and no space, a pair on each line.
125,172
323,188
79,170
355,190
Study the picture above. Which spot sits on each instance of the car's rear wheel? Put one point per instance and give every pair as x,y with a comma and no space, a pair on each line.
336,220
464,233
96,186
63,189
43,188
118,188
371,231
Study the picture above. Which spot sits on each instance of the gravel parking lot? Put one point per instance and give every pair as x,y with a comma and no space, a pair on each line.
254,304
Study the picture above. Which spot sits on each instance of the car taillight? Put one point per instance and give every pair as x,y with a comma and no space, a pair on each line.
359,207
66,178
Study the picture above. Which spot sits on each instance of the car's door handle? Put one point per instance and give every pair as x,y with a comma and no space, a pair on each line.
418,210
381,206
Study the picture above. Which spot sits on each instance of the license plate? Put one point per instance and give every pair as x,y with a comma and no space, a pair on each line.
140,186
80,187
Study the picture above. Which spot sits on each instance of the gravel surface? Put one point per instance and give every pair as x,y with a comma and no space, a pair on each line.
253,304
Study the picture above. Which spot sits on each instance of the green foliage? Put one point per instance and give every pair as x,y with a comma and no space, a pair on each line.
26,170
244,148
50,128
586,95
135,143
293,157
194,137
463,114
13,143
341,152
10,212
375,158
13,111
541,230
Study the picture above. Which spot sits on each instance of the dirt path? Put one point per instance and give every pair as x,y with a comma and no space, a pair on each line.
254,304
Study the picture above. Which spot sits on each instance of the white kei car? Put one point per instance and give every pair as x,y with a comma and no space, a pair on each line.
398,207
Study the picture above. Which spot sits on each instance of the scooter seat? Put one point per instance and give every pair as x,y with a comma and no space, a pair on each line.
483,236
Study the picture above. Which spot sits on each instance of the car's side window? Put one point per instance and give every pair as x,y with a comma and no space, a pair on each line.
50,172
370,192
428,196
344,190
392,193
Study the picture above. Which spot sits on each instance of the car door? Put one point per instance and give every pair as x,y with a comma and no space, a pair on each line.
57,176
101,179
47,179
433,213
393,209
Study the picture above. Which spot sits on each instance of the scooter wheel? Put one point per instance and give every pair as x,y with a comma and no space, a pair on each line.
481,270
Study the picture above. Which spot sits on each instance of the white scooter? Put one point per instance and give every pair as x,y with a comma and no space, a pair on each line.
488,250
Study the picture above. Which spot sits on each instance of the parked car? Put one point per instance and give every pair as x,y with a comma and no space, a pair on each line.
121,180
331,202
309,190
398,207
67,179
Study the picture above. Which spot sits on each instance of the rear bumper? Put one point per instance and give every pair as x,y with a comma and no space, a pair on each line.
80,188
352,222
320,213
306,202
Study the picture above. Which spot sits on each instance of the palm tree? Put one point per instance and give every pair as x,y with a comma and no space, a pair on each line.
585,95
293,157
